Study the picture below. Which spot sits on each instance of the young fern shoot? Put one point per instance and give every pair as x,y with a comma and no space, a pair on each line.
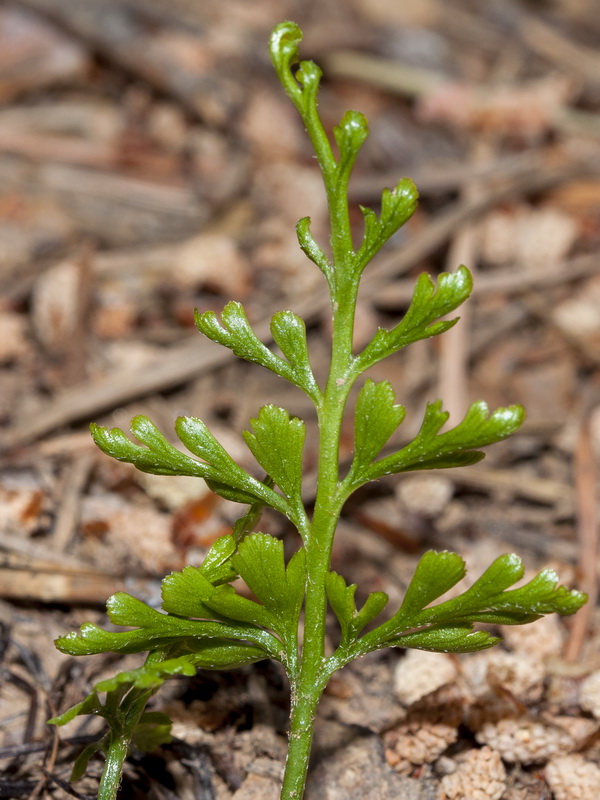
204,623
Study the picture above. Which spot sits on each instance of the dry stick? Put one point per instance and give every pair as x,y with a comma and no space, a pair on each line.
471,29
68,511
51,761
541,490
538,307
24,143
143,193
52,756
24,576
558,49
196,355
33,550
506,281
573,57
95,25
583,123
454,347
385,73
75,349
66,588
15,559
452,177
587,531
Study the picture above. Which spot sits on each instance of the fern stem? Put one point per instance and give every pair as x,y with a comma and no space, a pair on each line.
113,767
313,675
302,720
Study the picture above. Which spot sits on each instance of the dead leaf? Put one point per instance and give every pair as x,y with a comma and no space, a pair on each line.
212,260
524,112
35,54
13,342
56,306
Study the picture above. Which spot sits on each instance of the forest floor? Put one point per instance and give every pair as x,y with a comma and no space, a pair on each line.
151,164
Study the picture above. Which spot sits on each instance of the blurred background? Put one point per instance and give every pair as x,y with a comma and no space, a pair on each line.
151,164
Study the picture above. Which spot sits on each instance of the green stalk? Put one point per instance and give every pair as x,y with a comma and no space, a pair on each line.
313,677
302,717
113,767
125,718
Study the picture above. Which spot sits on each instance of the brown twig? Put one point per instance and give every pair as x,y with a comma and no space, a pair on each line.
539,490
454,347
51,761
586,476
68,511
574,57
35,550
411,81
510,281
122,38
452,177
86,587
386,73
538,307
